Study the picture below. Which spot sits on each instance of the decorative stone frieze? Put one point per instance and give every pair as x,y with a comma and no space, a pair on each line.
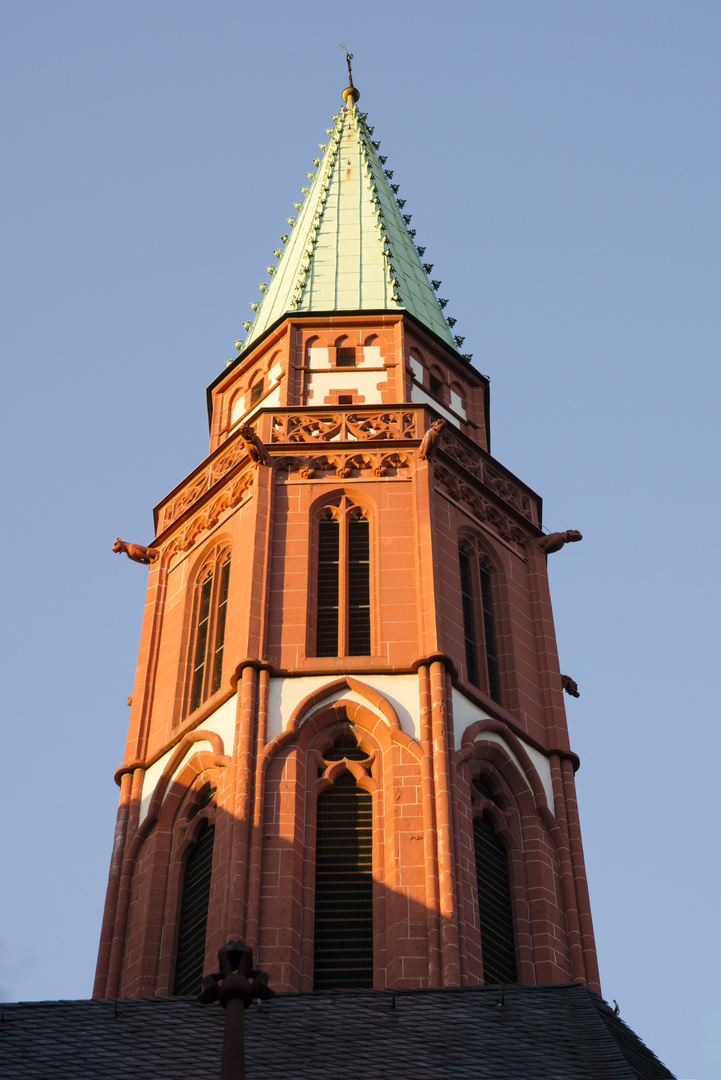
343,465
471,459
209,517
451,485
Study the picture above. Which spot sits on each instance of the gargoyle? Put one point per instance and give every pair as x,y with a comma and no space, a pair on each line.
430,440
253,445
555,541
136,552
570,686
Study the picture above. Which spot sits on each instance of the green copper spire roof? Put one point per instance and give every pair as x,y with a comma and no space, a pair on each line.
350,248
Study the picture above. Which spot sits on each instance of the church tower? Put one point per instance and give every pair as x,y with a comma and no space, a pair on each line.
347,741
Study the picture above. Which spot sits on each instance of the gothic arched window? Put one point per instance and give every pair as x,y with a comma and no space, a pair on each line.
190,954
343,618
343,940
211,605
495,912
479,623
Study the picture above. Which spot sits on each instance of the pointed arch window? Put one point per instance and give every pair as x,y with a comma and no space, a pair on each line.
343,613
479,621
343,938
209,638
190,954
493,885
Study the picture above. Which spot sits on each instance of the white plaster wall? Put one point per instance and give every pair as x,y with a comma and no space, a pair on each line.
369,356
419,395
222,722
543,767
465,713
271,398
400,690
365,382
416,368
270,401
457,404
318,358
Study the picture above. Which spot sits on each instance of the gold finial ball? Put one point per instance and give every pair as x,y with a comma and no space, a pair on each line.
350,94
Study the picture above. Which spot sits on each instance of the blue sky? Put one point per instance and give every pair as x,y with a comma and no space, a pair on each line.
561,161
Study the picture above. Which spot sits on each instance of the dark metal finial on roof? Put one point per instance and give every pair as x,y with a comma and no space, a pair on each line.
350,93
235,986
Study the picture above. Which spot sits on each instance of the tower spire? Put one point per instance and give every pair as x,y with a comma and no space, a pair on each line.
350,245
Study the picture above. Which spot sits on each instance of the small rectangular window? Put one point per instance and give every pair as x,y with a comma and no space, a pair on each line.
256,390
345,399
436,386
345,358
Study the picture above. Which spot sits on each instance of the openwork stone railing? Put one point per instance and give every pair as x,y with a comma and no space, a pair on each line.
354,426
284,430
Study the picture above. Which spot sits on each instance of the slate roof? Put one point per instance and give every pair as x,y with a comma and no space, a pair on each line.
538,1033
349,248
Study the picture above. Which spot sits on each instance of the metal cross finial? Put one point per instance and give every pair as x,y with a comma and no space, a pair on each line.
350,95
235,986
349,57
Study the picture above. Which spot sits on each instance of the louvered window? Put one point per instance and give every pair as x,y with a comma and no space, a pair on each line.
359,612
343,943
489,632
343,611
256,390
469,635
494,905
201,642
327,620
479,629
190,956
220,625
346,746
345,358
212,607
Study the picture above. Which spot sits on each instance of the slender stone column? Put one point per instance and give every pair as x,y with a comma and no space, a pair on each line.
121,914
430,845
243,754
570,898
111,902
256,833
579,873
450,959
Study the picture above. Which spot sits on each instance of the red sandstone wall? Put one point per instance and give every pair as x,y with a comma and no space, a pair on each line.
425,906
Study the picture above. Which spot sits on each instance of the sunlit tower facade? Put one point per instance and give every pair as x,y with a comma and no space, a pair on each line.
347,739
